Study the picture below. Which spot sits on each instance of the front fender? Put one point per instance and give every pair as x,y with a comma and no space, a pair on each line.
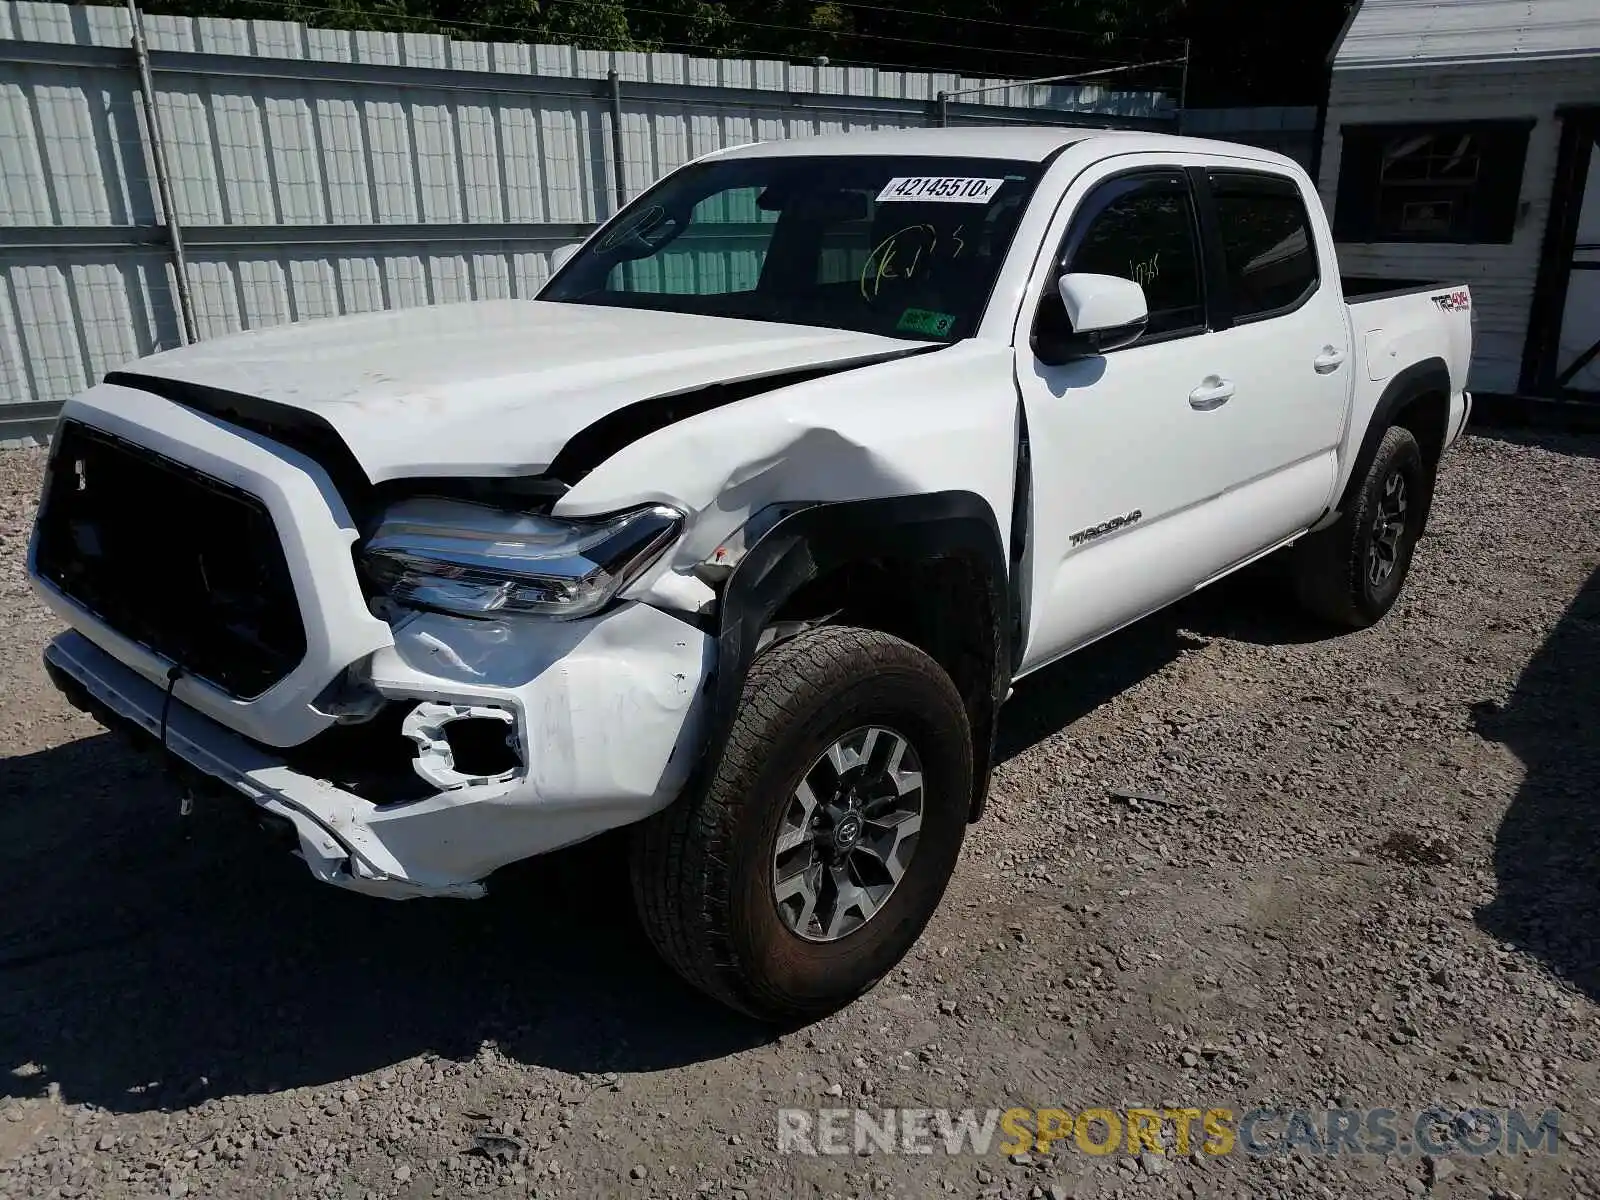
815,541
919,425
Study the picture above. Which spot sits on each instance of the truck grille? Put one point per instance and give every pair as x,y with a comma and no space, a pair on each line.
182,563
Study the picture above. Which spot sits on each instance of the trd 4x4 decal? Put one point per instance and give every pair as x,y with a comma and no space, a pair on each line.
1454,301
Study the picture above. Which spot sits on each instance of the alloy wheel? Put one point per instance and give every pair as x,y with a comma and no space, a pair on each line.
848,833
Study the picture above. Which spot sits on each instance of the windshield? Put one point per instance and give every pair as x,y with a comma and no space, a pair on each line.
903,246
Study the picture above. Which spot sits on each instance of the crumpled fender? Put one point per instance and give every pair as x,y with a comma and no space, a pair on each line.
939,422
915,457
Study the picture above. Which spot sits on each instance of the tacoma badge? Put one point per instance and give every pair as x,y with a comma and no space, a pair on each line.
1094,531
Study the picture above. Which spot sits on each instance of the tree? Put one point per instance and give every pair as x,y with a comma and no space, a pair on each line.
1242,51
1260,51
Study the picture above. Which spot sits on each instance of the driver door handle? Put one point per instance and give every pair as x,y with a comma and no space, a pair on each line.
1329,361
1213,392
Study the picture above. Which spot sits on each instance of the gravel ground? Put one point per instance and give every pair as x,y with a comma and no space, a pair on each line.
1368,878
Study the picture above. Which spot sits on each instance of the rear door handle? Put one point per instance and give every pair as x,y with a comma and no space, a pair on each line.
1213,392
1329,361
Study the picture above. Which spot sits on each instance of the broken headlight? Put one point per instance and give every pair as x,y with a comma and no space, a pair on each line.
476,561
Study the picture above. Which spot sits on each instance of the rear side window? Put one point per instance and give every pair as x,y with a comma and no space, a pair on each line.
1267,247
1142,227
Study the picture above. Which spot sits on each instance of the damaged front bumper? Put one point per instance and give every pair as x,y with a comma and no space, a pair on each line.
505,738
604,725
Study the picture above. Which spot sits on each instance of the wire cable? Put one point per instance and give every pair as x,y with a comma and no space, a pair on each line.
296,9
917,12
876,37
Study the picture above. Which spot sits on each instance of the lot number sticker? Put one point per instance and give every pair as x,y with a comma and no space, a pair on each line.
950,189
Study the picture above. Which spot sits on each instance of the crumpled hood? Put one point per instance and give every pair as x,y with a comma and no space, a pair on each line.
493,387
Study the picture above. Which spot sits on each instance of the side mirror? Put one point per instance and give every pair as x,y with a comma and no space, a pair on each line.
1103,312
561,255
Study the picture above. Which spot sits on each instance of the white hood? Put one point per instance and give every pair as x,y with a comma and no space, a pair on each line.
493,387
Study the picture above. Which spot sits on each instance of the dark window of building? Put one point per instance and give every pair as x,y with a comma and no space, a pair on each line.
1433,183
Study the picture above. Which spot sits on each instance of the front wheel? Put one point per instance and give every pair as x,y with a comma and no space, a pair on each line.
810,862
1351,573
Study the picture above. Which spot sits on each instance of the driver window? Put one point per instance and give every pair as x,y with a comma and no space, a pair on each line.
1143,228
721,250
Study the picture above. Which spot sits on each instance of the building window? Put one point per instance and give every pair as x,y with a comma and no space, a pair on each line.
1434,183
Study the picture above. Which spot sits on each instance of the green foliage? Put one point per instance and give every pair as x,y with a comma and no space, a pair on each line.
1243,51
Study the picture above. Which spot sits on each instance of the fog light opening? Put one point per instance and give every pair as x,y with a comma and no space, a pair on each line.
481,746
459,745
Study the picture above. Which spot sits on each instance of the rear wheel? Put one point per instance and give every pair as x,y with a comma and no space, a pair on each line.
811,860
1351,573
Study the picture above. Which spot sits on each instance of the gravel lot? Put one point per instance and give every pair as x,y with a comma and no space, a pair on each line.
1371,880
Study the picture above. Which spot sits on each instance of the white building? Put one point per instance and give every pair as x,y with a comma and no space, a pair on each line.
1460,144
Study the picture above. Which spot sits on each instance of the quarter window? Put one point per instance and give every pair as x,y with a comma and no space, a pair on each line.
1142,227
1267,247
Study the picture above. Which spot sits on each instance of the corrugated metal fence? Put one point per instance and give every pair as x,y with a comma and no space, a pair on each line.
316,172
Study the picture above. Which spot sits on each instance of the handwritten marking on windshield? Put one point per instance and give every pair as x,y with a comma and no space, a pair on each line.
884,261
638,225
880,263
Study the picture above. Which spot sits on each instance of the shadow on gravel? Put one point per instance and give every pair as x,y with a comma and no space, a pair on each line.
1547,851
1252,606
1058,695
1570,443
148,960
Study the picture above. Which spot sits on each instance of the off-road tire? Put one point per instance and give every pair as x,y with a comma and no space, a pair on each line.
1330,568
702,868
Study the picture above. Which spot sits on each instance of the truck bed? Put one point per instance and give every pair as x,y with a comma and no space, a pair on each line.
1361,289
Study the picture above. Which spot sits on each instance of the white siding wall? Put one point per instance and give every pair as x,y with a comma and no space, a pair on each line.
1502,277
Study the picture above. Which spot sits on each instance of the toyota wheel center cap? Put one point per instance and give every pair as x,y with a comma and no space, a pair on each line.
846,833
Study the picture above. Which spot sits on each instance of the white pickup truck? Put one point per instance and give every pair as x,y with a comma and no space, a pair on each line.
741,532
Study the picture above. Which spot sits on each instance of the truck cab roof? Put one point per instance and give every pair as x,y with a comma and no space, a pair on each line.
1023,143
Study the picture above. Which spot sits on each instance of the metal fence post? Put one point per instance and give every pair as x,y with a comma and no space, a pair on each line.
187,327
616,141
944,109
1183,85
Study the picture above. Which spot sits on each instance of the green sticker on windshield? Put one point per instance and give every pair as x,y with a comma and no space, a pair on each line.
921,320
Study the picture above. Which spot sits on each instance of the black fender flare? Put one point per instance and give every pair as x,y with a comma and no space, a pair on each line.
815,540
1429,376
